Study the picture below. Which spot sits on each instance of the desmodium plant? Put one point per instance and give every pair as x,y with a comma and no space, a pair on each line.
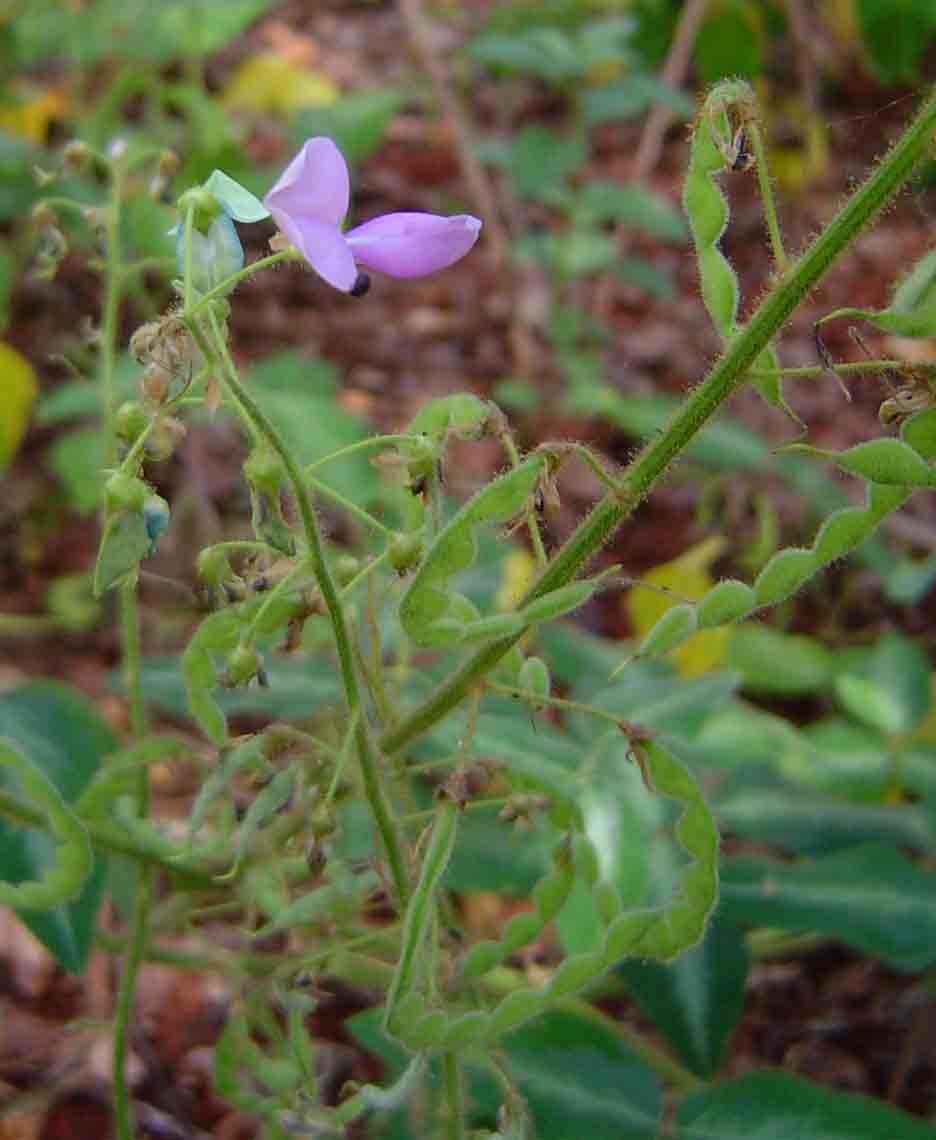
358,827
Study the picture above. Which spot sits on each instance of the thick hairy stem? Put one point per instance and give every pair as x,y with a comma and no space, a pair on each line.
728,373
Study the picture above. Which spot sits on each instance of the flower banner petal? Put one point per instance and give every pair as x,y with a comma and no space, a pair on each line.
412,244
314,186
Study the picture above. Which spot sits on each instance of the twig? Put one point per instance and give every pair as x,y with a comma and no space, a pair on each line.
479,186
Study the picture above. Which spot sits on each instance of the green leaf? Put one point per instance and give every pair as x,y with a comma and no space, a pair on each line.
871,897
578,1076
631,205
77,458
357,122
545,52
888,688
61,732
774,662
729,43
625,98
779,1106
124,544
540,159
299,684
757,805
301,397
491,856
896,33
696,1000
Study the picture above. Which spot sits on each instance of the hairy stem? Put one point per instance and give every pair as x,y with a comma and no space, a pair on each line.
726,376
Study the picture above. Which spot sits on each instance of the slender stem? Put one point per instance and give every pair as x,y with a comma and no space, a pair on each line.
726,376
767,197
454,1096
364,517
536,539
372,443
809,371
224,287
136,951
111,307
367,755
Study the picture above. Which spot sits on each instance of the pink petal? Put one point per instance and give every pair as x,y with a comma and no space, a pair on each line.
323,246
315,184
410,245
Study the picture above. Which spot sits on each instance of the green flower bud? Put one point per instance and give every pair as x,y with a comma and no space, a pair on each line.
404,551
130,421
345,567
264,471
243,664
213,567
124,492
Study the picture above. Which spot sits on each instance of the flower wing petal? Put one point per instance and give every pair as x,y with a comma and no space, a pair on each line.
314,186
323,246
411,245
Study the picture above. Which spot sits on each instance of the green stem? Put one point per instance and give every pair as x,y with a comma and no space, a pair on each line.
259,422
111,308
364,517
726,376
135,954
224,287
372,443
808,371
767,197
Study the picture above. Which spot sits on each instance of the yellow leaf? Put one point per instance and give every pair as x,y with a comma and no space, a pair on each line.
686,578
30,117
17,392
519,571
269,82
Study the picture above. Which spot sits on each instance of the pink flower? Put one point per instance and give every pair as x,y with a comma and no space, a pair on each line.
310,200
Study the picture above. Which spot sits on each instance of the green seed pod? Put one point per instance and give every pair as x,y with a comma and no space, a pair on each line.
726,602
514,1010
561,601
264,470
404,551
213,567
467,1029
574,973
887,461
841,532
550,894
483,956
124,492
243,665
130,421
494,627
678,623
521,930
345,567
784,574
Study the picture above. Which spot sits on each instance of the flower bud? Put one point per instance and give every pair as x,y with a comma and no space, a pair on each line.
264,470
213,567
43,215
243,664
130,420
345,567
156,519
155,384
124,492
76,155
404,551
164,438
